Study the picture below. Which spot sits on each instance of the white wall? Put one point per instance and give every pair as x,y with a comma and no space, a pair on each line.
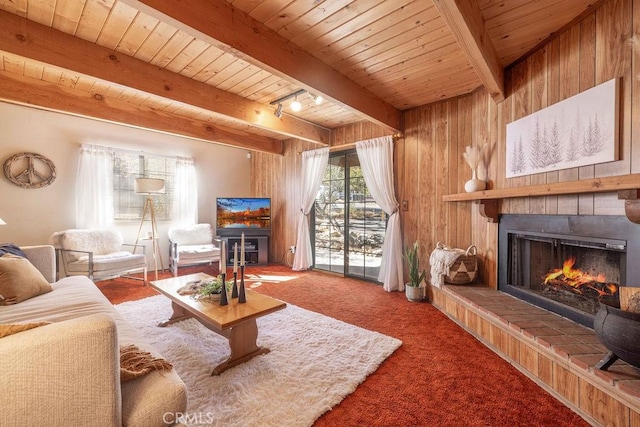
32,215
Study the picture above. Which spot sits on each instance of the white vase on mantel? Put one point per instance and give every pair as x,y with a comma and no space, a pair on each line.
474,184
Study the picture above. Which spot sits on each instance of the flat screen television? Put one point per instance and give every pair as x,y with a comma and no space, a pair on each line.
236,214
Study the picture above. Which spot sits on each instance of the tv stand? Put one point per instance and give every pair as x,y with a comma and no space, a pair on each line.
256,249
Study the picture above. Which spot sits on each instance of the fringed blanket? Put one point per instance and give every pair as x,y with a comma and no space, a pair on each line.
441,260
134,363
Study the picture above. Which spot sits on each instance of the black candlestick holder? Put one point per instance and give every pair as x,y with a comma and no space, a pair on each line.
242,297
234,289
223,291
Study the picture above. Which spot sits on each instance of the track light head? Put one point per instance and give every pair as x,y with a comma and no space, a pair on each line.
296,105
278,112
317,98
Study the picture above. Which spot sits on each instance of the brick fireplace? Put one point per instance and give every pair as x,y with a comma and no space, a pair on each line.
555,352
567,264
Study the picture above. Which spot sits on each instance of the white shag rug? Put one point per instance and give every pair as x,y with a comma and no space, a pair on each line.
314,363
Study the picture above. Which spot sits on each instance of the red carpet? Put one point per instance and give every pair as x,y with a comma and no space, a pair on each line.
440,376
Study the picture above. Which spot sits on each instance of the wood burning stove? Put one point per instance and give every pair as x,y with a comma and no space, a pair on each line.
568,264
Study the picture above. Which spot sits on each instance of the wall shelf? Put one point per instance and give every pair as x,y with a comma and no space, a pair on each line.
627,186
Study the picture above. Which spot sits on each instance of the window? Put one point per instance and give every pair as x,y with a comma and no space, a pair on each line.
130,165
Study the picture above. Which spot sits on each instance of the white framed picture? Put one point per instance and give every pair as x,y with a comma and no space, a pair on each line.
581,130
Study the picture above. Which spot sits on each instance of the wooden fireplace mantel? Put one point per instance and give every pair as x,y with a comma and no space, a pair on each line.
627,186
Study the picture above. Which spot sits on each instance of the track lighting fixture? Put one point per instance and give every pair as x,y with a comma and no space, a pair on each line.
295,104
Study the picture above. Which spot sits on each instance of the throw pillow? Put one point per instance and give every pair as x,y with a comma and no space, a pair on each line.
6,330
10,248
20,280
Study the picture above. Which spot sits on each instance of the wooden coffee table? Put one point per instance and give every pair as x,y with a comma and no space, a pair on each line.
236,322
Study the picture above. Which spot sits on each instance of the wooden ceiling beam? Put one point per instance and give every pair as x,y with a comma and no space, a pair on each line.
49,96
219,23
29,39
464,19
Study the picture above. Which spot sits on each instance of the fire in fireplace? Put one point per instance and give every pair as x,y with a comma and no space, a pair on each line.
567,264
574,281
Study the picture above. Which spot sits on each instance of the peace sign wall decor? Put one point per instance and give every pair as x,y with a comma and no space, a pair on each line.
29,170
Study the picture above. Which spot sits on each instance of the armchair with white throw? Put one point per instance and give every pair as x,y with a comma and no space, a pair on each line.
191,245
98,254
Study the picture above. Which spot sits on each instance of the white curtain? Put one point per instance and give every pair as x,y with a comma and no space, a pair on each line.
185,193
314,164
94,187
376,161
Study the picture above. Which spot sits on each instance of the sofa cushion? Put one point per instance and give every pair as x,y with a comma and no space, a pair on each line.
196,234
20,280
117,261
188,252
43,258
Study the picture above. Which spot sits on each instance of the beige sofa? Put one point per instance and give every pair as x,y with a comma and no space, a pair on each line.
68,372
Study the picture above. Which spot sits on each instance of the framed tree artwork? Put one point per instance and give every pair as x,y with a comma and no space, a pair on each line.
581,130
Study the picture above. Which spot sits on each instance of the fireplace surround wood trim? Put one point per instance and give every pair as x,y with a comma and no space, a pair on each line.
600,397
627,186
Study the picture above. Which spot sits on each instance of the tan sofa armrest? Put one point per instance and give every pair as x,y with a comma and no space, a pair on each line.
43,257
65,373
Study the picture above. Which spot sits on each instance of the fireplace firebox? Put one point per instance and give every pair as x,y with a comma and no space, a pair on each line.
568,264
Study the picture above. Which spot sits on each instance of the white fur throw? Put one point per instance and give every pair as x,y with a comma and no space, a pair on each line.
196,234
100,242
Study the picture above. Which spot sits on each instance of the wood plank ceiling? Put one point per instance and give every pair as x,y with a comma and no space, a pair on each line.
209,69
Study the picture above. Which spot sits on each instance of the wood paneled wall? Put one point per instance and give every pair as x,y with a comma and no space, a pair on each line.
591,52
356,132
430,164
277,177
428,160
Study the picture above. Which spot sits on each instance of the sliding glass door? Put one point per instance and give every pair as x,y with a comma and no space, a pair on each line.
349,225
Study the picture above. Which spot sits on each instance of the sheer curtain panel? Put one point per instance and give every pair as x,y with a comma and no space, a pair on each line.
185,193
314,164
94,187
376,161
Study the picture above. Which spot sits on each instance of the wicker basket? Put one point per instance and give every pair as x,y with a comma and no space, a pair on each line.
465,269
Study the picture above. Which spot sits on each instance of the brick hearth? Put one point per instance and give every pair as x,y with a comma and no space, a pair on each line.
557,353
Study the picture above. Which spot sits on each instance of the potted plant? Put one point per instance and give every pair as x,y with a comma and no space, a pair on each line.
212,288
415,289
